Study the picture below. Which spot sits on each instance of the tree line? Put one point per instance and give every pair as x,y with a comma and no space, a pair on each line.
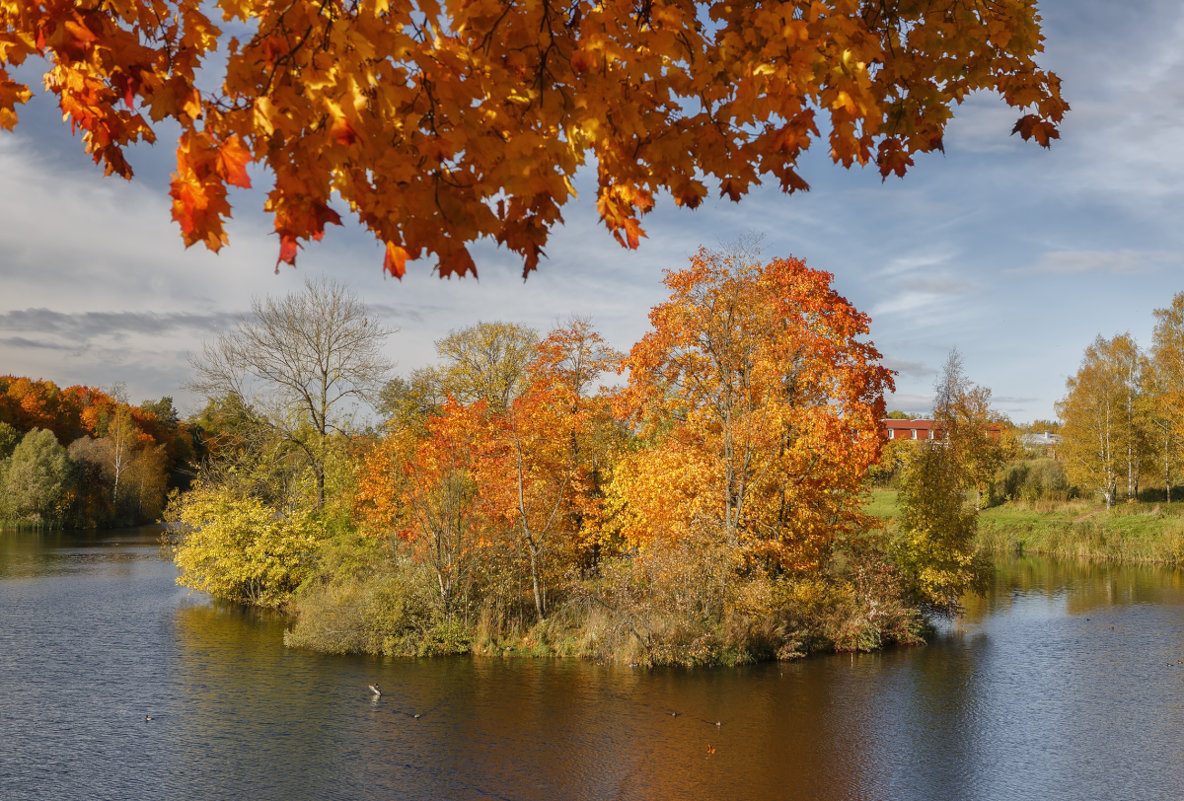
81,457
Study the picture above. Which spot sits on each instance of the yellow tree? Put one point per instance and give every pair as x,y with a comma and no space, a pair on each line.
440,124
763,400
238,548
486,361
1164,379
963,409
1103,433
937,552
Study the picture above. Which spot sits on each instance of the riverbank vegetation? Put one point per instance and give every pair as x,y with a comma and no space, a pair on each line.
711,508
1064,525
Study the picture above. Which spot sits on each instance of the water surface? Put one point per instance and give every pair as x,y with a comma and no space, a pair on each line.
1066,682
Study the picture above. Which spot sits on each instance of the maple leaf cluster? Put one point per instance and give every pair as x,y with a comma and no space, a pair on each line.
439,125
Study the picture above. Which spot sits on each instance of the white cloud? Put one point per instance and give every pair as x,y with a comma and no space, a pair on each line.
1118,262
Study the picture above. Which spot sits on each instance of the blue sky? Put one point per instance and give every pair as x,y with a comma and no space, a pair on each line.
1015,255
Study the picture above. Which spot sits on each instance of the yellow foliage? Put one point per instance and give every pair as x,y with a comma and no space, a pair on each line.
763,402
237,548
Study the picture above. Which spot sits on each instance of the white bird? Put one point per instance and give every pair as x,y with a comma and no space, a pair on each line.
374,689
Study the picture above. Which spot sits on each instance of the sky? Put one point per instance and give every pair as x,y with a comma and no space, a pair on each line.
1015,255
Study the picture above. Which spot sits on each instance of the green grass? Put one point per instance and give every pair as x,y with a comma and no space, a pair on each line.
1146,532
882,504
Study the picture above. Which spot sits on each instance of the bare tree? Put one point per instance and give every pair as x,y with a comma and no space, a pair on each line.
305,361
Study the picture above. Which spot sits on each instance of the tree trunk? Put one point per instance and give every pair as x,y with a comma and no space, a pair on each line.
540,604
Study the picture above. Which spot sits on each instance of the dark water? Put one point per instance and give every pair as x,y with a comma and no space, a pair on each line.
1066,683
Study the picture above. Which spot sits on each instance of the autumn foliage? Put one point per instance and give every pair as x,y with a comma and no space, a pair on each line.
80,411
436,125
121,456
763,401
482,483
716,489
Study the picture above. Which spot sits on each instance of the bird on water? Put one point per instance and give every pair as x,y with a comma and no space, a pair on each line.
374,689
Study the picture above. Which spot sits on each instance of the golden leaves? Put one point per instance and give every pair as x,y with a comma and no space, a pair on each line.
11,93
764,404
422,117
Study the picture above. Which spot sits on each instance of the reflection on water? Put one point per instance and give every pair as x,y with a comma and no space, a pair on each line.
1064,683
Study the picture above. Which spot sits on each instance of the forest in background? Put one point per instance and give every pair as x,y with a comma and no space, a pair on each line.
80,457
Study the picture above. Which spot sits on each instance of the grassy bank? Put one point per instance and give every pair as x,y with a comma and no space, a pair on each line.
1142,532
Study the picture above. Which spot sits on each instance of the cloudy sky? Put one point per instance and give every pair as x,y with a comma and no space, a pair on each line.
1015,255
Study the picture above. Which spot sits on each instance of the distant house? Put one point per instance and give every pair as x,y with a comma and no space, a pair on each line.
912,429
1042,442
924,429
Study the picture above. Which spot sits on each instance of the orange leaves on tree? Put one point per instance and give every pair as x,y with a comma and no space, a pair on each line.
72,412
11,94
298,215
204,168
519,482
1032,127
764,402
423,135
232,161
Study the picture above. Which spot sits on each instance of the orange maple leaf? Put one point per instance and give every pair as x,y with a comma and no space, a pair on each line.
288,246
395,260
233,159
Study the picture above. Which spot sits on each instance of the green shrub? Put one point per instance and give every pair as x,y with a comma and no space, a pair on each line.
363,597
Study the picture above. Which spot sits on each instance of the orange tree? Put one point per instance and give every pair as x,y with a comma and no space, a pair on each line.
475,483
762,402
542,457
438,124
420,486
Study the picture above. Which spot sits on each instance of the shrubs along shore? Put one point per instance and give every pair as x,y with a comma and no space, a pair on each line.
689,608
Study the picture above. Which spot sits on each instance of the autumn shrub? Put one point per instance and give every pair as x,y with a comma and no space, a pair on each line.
687,602
1046,482
1031,482
858,602
365,597
238,548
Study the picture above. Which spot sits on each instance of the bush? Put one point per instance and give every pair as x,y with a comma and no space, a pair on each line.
364,598
1031,482
238,548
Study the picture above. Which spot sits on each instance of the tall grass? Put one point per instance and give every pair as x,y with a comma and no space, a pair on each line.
1137,532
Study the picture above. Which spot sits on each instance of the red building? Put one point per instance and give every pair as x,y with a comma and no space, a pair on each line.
923,429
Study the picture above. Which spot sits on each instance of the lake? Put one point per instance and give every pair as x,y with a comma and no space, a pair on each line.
1065,682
